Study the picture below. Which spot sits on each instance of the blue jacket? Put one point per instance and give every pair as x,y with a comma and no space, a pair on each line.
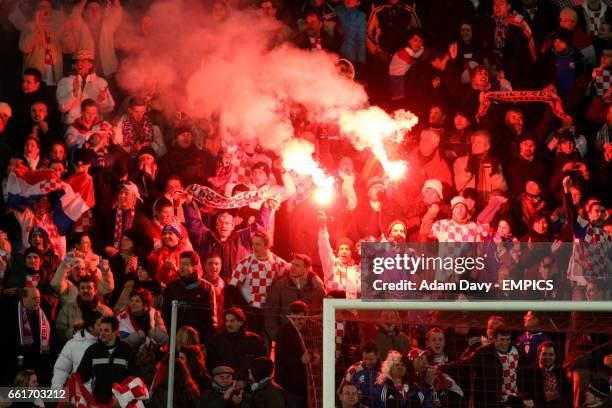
354,29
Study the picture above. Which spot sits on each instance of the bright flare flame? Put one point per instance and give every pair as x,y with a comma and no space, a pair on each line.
324,195
372,127
297,156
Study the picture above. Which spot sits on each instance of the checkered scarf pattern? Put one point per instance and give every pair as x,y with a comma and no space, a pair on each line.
85,222
602,79
551,385
131,392
31,281
303,187
123,222
254,277
346,279
509,362
48,55
595,21
593,249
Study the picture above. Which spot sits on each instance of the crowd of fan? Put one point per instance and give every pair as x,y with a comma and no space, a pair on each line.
97,301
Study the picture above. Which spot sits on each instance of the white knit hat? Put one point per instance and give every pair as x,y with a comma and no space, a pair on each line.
435,185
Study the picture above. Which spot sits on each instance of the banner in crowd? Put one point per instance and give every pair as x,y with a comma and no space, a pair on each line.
552,99
209,198
26,186
495,270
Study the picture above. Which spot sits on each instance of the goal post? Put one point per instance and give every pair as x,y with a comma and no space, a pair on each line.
330,306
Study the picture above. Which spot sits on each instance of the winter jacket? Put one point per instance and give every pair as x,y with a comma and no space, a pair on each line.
70,314
157,259
194,292
490,177
283,292
70,105
235,350
69,359
396,341
354,30
105,366
84,39
78,133
68,291
365,378
129,329
236,247
290,372
271,395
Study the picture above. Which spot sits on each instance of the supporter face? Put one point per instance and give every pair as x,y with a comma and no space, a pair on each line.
370,360
430,196
398,370
533,190
515,121
90,114
166,215
32,300
547,268
259,177
436,342
137,306
41,207
249,145
259,246
127,199
547,357
298,319
313,26
298,268
527,149
597,214
460,213
461,122
173,185
466,33
374,192
126,244
428,143
29,84
606,58
57,152
84,244
107,335
559,46
87,291
349,395
415,43
502,342
186,268
33,261
388,321
137,113
346,165
232,325
58,168
501,8
33,383
530,321
268,8
83,67
225,225
567,19
219,11
541,226
593,292
31,149
3,121
184,140
38,112
170,239
212,268
37,240
224,380
398,233
480,145
436,116
481,78
78,269
142,274
344,253
503,228
92,12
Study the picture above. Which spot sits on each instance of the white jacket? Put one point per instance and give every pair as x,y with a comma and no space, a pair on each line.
70,105
70,357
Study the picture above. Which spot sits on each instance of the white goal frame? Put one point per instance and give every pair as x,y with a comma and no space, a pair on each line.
331,305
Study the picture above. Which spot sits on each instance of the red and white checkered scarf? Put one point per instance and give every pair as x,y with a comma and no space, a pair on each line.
509,362
122,224
25,331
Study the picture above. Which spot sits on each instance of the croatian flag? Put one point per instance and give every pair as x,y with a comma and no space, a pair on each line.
25,186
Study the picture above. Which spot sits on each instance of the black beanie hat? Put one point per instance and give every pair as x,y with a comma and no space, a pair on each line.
261,367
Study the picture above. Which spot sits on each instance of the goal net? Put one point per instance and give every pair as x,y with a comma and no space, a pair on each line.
461,374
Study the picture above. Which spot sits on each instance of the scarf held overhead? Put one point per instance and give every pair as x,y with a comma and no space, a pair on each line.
209,198
553,100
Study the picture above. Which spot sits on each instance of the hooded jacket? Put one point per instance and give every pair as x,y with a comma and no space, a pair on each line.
70,357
